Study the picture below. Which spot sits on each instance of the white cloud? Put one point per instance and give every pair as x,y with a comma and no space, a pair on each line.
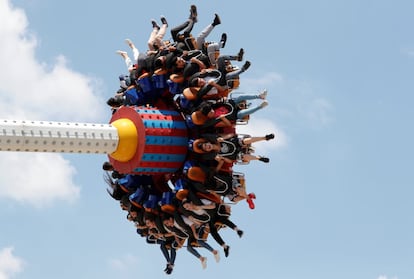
265,81
37,179
124,263
318,111
410,52
297,100
407,51
307,104
33,90
259,127
9,264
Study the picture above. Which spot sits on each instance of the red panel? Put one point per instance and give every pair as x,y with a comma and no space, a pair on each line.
131,114
166,132
152,164
166,149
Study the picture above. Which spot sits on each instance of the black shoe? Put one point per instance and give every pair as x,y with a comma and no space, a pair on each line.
270,136
240,55
164,20
264,159
193,13
169,269
223,40
154,24
216,20
240,233
246,66
226,251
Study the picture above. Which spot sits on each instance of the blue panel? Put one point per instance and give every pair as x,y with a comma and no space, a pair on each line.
169,124
157,111
166,140
155,170
155,157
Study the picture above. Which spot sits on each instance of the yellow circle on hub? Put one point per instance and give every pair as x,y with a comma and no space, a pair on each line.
128,140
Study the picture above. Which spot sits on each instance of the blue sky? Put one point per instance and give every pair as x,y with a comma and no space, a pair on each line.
334,202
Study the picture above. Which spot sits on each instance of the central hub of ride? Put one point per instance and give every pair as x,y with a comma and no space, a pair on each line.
161,140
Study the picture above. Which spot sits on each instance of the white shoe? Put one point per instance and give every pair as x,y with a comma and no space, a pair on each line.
203,262
264,104
263,95
122,53
216,256
129,42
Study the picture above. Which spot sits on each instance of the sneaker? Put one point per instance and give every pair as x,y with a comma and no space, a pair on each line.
264,104
122,53
240,233
270,136
216,255
216,20
240,55
246,66
263,95
154,24
226,251
164,20
223,40
203,262
251,203
169,268
264,159
129,43
193,13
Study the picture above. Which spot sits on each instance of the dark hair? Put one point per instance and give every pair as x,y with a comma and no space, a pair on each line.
185,201
166,216
107,166
125,201
159,63
170,60
149,216
193,82
116,175
205,108
114,102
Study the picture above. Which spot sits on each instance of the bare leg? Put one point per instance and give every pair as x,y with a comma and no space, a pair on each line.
124,55
135,51
248,141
